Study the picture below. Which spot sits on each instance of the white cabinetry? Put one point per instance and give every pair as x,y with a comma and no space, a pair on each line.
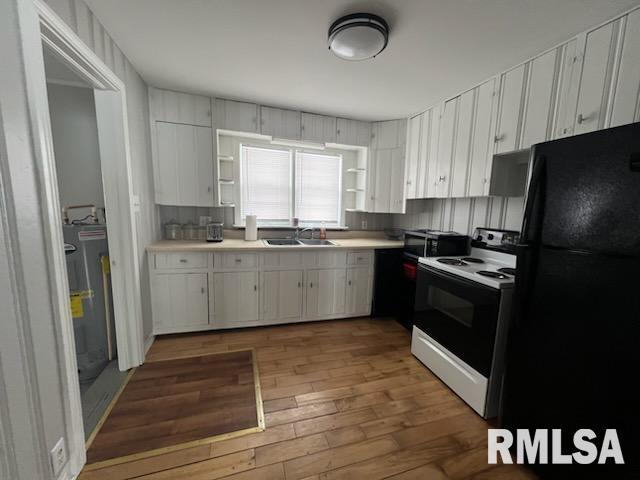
318,128
413,156
183,165
237,116
180,301
325,293
387,169
358,299
460,160
540,96
200,291
445,148
593,95
509,109
178,107
482,140
235,298
353,132
280,123
281,295
626,97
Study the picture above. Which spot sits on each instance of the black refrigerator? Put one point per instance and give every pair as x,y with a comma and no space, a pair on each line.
573,355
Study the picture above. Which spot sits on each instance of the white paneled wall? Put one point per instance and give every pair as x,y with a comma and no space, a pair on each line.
79,17
462,214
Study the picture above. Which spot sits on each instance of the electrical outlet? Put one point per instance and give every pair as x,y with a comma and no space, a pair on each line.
58,456
364,224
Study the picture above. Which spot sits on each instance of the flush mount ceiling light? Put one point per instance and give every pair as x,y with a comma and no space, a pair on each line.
358,36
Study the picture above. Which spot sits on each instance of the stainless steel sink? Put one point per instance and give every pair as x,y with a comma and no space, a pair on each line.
316,242
283,241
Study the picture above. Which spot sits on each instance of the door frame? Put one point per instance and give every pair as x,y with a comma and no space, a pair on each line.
113,134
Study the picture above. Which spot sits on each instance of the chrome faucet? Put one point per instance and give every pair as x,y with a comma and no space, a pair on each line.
298,231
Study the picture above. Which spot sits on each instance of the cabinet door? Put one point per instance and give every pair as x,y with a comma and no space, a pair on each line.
280,123
567,91
184,165
382,177
235,298
511,94
325,293
445,148
482,143
460,162
626,100
430,180
353,132
396,192
358,291
597,67
538,114
178,107
180,300
388,134
414,142
318,128
238,116
281,295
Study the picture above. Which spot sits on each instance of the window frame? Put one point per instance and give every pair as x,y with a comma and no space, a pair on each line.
240,217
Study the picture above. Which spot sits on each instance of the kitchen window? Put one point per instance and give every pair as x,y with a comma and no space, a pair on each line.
278,184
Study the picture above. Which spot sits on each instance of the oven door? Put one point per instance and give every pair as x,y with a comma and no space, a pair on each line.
459,314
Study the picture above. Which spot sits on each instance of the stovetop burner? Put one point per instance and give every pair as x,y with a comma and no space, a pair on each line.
498,275
507,270
472,260
452,261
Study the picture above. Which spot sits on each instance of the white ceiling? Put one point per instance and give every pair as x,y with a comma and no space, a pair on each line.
274,52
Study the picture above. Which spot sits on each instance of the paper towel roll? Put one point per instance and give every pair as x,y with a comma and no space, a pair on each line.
251,228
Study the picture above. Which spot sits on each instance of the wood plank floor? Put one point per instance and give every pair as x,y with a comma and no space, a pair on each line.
343,399
171,402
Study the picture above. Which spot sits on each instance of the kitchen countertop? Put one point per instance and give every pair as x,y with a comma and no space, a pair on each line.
239,244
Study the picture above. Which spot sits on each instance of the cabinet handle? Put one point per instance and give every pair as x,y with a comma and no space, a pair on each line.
583,118
202,290
299,284
208,189
441,178
310,284
183,260
349,282
255,288
238,260
498,138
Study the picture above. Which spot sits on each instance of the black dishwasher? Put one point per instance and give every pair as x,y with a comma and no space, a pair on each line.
395,288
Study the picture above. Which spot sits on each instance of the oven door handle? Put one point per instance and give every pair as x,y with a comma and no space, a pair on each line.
455,279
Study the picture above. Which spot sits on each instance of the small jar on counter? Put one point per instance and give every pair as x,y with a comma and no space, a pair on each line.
172,231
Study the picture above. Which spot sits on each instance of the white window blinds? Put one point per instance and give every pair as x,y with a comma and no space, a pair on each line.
317,187
266,184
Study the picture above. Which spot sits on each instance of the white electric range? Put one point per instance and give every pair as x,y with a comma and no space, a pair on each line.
463,305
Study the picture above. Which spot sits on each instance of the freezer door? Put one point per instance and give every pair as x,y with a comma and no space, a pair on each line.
585,193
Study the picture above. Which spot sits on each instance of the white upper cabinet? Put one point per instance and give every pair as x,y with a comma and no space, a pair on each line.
482,139
539,102
626,98
567,90
183,165
177,107
238,116
597,68
445,148
389,134
429,167
280,123
353,132
318,128
509,109
414,133
396,193
460,159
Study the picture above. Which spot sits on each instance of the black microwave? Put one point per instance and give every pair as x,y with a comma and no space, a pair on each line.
434,243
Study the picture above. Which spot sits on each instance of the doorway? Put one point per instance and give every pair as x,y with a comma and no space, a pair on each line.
78,165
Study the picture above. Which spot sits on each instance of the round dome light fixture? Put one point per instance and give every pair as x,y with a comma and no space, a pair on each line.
358,36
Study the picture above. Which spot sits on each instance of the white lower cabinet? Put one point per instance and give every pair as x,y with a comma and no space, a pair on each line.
281,295
235,299
202,291
325,293
358,299
180,301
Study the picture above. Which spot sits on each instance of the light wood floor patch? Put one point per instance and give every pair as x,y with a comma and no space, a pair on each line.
343,399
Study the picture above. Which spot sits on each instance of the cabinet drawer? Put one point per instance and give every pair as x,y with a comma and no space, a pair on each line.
282,259
235,261
324,259
169,261
358,258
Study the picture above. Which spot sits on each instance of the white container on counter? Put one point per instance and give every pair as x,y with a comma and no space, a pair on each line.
251,228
